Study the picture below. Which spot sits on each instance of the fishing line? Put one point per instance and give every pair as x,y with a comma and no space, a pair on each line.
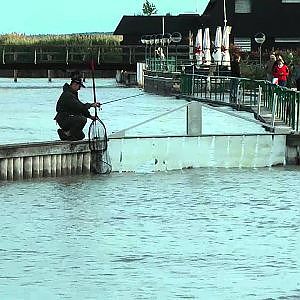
119,99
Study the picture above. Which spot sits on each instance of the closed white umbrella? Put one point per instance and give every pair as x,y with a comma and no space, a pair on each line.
198,47
206,47
225,46
217,54
191,46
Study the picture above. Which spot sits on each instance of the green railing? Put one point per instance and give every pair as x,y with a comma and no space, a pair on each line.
283,103
161,65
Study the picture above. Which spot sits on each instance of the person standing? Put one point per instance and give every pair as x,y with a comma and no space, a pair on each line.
281,71
236,74
269,67
296,75
71,113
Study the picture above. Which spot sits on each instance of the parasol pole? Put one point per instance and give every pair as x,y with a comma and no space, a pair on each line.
225,15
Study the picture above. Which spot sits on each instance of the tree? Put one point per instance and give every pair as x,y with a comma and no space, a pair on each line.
149,8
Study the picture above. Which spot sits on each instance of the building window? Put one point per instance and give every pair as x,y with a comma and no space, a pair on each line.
242,6
243,43
290,1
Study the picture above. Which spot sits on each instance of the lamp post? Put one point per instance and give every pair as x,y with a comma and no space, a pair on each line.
143,41
152,39
166,41
176,38
260,39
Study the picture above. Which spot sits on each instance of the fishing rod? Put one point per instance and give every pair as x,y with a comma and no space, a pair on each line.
98,138
94,87
111,101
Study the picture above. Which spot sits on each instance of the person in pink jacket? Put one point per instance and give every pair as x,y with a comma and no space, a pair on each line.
281,71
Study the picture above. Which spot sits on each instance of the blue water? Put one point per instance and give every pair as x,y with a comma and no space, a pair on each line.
192,234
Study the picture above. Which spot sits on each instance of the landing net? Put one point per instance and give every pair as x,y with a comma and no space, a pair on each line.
100,161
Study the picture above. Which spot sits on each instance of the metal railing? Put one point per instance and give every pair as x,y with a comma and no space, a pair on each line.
101,53
283,103
67,54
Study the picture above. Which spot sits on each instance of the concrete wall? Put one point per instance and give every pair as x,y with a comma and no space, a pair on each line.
174,153
161,85
143,154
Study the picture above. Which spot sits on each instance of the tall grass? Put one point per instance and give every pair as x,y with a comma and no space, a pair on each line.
78,40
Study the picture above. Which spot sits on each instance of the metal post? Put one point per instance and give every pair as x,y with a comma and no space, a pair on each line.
260,55
35,56
274,107
259,99
98,55
67,56
130,55
193,81
176,58
225,15
15,71
49,58
3,56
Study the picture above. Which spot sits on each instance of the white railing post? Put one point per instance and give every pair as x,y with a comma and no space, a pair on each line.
193,81
98,56
67,57
259,99
35,56
3,56
274,107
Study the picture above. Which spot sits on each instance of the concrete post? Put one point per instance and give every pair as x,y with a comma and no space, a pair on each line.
194,118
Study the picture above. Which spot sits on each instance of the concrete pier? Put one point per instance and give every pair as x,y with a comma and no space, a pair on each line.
143,154
45,159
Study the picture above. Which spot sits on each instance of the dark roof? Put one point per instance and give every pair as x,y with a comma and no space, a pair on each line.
135,25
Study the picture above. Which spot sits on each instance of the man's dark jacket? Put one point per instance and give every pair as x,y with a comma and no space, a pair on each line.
69,104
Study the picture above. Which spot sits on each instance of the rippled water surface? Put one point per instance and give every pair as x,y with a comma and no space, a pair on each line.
28,108
191,234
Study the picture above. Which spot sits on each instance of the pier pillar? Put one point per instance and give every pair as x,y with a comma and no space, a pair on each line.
3,169
15,71
194,118
49,58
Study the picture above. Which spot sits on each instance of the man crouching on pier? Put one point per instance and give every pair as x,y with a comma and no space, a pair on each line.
72,114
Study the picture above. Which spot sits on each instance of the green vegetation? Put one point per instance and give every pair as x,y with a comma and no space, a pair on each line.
79,40
250,67
149,8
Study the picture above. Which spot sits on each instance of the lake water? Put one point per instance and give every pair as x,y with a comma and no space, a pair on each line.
191,234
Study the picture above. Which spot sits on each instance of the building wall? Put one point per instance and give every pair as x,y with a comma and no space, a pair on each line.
272,17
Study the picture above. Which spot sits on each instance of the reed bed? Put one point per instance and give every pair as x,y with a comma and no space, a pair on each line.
79,40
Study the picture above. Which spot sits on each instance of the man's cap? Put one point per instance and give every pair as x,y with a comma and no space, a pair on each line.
78,81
